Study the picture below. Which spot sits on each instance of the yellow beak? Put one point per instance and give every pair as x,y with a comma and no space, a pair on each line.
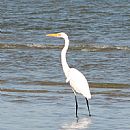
53,35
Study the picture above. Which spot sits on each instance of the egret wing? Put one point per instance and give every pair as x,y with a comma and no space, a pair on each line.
79,83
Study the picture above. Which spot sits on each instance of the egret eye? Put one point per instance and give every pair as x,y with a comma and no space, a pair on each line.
59,35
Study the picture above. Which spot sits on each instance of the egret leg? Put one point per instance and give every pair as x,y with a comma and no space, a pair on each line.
76,106
88,106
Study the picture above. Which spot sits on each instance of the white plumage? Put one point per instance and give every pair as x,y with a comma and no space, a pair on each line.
79,83
77,80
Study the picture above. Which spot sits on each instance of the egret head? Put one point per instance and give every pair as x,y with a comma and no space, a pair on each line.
62,35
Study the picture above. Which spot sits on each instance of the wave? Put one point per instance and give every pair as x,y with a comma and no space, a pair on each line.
48,83
22,91
106,48
93,48
92,85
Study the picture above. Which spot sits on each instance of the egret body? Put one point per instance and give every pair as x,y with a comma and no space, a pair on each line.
77,80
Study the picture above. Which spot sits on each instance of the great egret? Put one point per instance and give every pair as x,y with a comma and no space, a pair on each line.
77,80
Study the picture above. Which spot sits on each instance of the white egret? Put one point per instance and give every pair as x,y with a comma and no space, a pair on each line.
77,80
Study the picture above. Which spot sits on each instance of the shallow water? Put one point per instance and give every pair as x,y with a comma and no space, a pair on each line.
55,108
32,84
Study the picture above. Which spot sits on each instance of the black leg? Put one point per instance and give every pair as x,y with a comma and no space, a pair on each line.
88,106
76,106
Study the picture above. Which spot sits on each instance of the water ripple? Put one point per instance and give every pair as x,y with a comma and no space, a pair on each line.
93,48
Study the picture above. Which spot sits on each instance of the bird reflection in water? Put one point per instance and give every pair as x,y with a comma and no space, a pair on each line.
83,123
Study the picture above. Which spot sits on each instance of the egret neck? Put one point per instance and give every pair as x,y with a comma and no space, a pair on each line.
65,66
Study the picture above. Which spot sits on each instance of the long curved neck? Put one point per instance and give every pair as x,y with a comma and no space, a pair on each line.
63,57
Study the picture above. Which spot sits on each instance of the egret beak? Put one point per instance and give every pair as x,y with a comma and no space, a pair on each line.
54,35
